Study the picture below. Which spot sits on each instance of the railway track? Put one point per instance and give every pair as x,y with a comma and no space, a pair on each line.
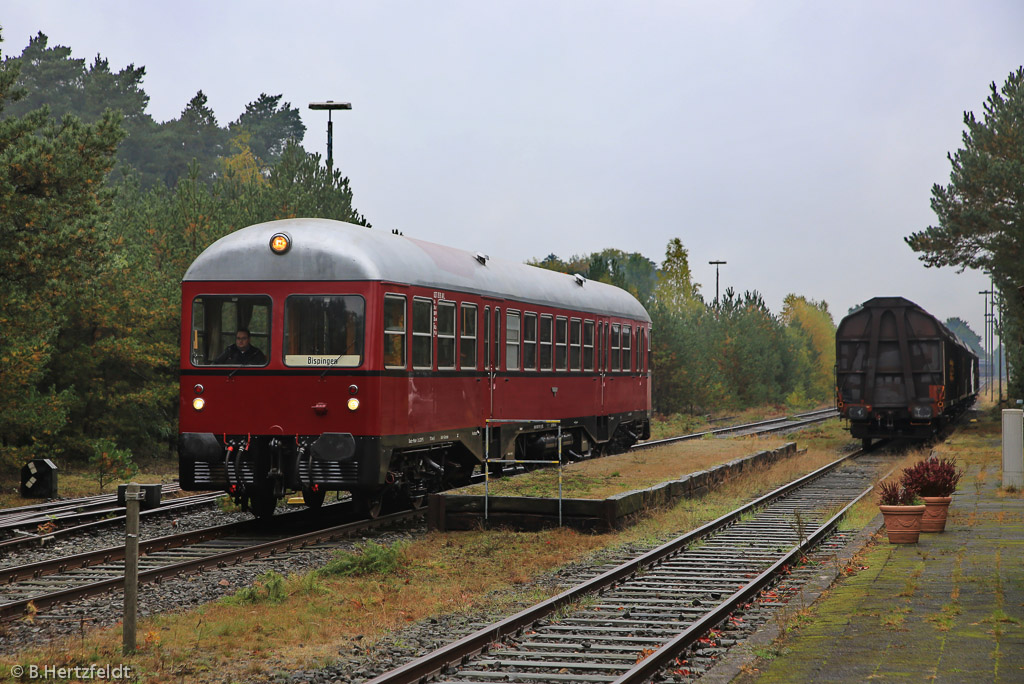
35,586
51,582
781,424
46,525
643,616
61,509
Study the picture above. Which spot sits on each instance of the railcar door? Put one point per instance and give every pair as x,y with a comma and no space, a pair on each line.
492,357
602,363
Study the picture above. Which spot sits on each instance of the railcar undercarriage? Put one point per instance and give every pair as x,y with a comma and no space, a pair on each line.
258,470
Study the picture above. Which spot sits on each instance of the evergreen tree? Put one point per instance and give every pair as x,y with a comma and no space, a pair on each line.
964,331
981,211
52,209
270,126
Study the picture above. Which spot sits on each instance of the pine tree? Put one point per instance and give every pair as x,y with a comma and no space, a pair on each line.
981,211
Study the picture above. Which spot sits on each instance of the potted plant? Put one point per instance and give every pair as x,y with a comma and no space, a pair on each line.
934,480
902,512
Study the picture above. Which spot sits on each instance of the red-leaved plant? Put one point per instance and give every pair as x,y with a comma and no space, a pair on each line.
932,476
892,493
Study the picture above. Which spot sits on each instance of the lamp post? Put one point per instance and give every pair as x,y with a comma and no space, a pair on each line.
716,264
330,106
987,342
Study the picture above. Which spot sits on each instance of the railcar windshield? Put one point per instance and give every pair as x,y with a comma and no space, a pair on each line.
324,331
230,330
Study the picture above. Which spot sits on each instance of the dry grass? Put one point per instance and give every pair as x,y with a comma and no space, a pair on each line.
602,477
75,480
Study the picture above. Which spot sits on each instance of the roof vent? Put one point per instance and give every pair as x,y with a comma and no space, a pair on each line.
579,279
482,258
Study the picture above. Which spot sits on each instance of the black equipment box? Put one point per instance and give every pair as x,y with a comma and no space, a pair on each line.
150,495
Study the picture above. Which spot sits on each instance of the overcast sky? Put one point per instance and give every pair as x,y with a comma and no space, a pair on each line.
798,141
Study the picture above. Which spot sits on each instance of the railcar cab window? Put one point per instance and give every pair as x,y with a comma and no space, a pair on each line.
324,331
215,321
394,331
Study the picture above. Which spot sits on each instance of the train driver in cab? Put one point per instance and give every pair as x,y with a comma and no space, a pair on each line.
241,353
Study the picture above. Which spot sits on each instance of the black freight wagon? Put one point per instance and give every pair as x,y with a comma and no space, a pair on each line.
900,372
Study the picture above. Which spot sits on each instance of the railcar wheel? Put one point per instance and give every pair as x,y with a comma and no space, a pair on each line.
262,505
313,499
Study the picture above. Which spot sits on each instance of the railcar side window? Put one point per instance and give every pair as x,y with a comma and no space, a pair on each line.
588,345
575,342
545,343
627,354
216,319
422,333
614,345
561,342
530,341
641,357
511,340
467,331
394,331
325,331
446,334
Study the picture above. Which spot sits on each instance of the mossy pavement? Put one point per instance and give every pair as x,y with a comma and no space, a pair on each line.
947,609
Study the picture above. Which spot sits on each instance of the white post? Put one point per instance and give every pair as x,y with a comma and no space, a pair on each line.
1013,448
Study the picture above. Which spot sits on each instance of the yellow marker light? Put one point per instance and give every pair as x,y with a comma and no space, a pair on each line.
198,403
353,404
280,243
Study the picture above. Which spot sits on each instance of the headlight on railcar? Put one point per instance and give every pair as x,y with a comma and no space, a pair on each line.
353,404
921,412
198,403
857,413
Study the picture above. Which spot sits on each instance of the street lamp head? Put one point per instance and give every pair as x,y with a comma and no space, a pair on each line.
330,104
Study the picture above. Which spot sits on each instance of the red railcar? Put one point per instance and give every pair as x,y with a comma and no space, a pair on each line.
383,359
900,372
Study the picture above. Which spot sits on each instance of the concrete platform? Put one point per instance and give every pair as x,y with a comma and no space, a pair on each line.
949,609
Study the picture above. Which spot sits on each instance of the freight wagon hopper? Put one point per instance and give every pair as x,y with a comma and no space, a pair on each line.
900,372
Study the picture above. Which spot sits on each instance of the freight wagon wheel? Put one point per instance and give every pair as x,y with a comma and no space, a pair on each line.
313,499
368,504
262,505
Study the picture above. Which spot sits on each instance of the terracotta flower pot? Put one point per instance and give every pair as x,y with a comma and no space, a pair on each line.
935,510
902,523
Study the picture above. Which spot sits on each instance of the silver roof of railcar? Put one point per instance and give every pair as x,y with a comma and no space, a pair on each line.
326,250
